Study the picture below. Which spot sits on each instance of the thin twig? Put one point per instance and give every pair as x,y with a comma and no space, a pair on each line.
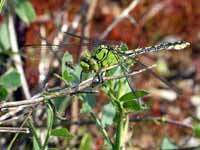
123,15
161,120
14,130
130,74
67,91
89,17
16,58
17,134
137,119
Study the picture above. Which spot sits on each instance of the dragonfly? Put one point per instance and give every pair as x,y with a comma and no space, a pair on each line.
107,53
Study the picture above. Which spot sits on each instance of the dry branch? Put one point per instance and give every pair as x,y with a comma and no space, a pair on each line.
67,91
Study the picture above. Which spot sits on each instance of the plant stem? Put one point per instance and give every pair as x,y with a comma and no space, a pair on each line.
16,58
17,134
50,124
34,133
119,130
1,5
101,128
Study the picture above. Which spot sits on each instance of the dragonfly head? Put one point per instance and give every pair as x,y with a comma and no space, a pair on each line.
88,63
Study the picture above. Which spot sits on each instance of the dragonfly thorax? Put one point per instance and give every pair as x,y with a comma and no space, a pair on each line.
103,56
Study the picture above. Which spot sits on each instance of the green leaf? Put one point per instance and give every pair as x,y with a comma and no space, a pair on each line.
168,144
3,93
131,95
107,145
123,47
4,36
77,73
55,148
2,2
86,142
50,119
67,58
131,105
11,79
50,116
67,76
35,144
67,71
108,114
123,87
61,132
89,103
8,53
36,139
197,130
25,11
61,103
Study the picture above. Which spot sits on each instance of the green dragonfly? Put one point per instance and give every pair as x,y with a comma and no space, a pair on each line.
108,53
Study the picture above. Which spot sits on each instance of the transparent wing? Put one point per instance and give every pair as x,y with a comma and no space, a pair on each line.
93,42
40,63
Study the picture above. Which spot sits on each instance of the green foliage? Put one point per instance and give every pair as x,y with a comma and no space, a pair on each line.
61,103
86,142
61,132
116,88
131,105
50,120
24,10
123,47
36,140
4,36
67,58
1,4
89,102
70,74
197,130
3,93
11,79
108,114
168,144
35,144
133,96
130,101
54,148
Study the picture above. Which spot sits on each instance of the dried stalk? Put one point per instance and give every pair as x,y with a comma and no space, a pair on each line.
67,91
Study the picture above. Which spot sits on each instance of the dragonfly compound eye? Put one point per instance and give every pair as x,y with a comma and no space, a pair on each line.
94,66
88,63
85,62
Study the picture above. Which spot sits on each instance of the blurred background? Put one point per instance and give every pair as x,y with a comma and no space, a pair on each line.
138,23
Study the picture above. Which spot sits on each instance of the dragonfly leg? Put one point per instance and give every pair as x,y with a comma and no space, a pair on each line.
98,78
81,77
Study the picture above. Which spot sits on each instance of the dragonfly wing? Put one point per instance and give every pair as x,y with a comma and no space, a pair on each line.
169,84
125,71
95,41
39,63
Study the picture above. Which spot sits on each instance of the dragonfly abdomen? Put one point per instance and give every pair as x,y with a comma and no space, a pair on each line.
178,45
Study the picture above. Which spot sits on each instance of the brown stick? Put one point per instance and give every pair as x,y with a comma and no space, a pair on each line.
67,91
